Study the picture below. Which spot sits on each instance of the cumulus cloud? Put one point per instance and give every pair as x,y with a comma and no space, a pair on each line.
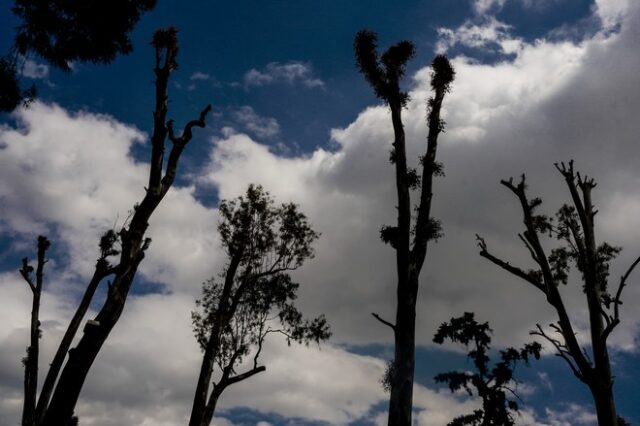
552,101
290,73
490,33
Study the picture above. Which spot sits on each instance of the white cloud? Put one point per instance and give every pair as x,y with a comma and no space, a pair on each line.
481,7
34,70
489,33
261,127
571,415
198,75
552,101
291,72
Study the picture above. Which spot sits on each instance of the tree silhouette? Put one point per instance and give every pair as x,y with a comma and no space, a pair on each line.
62,32
58,399
575,229
384,75
30,362
254,295
491,384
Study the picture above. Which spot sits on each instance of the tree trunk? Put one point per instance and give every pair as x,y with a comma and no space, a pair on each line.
31,364
81,358
605,405
65,344
401,399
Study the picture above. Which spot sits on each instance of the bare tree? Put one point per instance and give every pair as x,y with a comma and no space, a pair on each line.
384,75
253,296
132,246
575,228
31,360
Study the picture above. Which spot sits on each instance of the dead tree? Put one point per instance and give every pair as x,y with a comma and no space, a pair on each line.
131,238
31,360
384,75
254,295
575,228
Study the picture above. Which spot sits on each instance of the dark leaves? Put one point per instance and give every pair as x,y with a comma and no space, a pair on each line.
389,235
443,73
257,297
413,179
63,31
11,95
489,384
383,75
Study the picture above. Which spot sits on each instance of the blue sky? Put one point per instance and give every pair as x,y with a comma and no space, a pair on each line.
538,81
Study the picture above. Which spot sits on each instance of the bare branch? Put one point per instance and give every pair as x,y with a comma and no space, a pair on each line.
507,266
617,302
387,323
561,350
26,271
528,246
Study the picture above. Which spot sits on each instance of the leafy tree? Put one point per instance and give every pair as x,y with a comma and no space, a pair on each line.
491,384
62,31
384,75
62,386
574,227
253,297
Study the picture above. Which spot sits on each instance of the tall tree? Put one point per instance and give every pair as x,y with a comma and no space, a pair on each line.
254,295
384,75
492,385
575,229
131,237
62,32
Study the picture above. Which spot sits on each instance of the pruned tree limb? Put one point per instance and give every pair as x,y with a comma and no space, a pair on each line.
507,266
383,321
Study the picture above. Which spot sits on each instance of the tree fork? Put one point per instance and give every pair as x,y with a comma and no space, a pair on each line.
134,244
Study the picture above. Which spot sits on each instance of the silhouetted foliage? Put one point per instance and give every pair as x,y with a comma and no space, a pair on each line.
11,95
384,74
60,394
254,295
62,32
574,227
491,384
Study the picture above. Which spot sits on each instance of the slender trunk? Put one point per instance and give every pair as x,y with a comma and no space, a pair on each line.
211,408
199,408
65,344
605,404
401,395
401,399
225,312
31,364
81,358
31,361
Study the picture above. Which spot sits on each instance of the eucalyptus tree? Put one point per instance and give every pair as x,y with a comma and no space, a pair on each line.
253,296
575,228
409,241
